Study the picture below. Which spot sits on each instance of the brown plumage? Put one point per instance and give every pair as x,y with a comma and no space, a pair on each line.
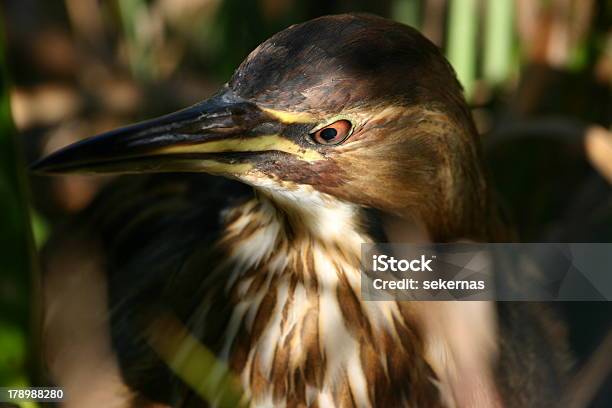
268,279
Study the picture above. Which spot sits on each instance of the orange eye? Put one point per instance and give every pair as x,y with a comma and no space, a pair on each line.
332,134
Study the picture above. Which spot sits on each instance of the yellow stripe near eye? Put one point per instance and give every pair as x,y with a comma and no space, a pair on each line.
248,144
287,117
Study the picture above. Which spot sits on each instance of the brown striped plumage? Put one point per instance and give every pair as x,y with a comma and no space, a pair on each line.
287,301
269,280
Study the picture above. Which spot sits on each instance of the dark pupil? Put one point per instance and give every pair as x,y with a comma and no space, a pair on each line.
329,134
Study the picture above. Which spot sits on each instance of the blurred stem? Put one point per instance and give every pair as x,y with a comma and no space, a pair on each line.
40,229
19,317
407,12
463,17
191,361
130,12
498,40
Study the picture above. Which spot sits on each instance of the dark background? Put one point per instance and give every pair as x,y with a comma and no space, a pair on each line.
537,74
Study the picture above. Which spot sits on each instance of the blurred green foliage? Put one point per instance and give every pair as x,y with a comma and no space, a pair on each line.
207,41
17,358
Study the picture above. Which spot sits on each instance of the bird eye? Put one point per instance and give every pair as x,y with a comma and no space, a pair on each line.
332,134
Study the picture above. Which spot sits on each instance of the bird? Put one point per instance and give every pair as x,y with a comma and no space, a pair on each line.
249,223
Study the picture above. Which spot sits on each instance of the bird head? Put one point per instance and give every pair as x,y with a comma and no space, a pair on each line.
357,108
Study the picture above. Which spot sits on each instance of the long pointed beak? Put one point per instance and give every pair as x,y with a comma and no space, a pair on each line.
221,135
